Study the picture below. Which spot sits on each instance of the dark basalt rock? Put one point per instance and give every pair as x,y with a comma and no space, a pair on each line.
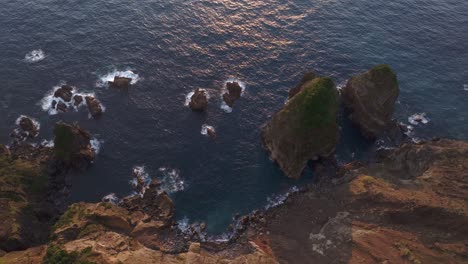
370,98
26,129
233,93
199,100
305,129
77,100
72,146
94,106
309,76
65,92
61,106
211,132
120,82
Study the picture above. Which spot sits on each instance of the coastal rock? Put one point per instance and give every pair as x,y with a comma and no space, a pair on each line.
309,76
72,146
94,106
234,92
65,93
305,129
27,128
199,100
61,106
120,82
211,132
370,98
77,100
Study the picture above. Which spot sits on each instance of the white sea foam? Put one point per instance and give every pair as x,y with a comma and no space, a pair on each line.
184,225
46,102
276,200
140,171
111,198
191,229
48,143
204,129
226,108
109,77
35,56
419,118
188,98
171,180
96,145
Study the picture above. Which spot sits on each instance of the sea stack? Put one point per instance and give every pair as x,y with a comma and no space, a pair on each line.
94,106
305,129
234,92
370,98
120,82
199,100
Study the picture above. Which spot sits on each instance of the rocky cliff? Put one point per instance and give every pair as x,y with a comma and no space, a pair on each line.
305,129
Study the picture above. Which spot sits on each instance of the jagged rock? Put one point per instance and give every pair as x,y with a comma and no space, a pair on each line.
305,129
370,98
94,106
65,92
72,146
309,76
61,107
77,100
199,100
120,82
27,128
234,91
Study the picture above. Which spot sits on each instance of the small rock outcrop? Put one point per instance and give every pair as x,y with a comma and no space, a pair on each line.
234,92
305,129
72,146
77,100
370,98
27,129
120,82
94,106
199,100
65,93
309,76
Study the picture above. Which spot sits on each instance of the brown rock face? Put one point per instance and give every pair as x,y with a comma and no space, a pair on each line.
65,92
234,91
60,106
94,106
409,207
199,100
309,76
27,128
370,99
305,129
121,82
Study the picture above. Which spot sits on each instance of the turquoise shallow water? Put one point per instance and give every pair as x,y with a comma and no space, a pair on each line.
176,46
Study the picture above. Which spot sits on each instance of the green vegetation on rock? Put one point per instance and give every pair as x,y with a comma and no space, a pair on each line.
56,255
74,211
63,142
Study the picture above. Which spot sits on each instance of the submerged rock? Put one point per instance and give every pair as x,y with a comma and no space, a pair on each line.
234,91
199,100
120,82
94,106
72,146
305,129
309,76
65,93
370,98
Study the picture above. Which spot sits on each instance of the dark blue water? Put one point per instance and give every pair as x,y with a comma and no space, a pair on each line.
176,46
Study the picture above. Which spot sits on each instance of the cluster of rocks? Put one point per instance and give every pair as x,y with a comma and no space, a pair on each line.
65,96
28,128
307,129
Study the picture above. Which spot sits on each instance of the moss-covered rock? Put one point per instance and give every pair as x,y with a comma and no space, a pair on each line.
72,145
370,98
305,129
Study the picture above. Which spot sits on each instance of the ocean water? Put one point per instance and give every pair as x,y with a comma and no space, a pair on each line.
175,46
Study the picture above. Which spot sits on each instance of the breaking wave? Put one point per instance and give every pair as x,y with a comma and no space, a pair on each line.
109,77
204,129
96,145
171,181
111,198
274,201
35,56
419,118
